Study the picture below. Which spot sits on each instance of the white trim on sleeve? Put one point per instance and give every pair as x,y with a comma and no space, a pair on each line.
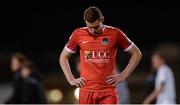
69,50
130,46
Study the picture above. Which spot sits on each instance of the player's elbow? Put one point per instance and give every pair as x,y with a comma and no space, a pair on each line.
138,54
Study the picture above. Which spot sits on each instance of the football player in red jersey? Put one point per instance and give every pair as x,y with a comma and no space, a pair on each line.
98,46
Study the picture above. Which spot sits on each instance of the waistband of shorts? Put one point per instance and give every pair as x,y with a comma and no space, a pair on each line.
102,90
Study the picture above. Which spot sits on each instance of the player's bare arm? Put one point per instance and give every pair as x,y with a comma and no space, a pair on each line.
64,57
135,58
153,95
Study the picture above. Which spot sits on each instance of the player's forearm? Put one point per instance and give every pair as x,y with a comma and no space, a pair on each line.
151,97
154,94
66,68
134,61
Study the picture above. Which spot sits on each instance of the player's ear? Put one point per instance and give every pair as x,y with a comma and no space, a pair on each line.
102,19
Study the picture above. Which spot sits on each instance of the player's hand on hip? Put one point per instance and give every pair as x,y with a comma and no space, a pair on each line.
79,82
115,79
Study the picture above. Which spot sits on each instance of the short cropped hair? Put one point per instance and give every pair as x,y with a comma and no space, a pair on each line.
19,56
92,14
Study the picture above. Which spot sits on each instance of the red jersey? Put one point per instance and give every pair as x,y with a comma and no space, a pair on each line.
97,54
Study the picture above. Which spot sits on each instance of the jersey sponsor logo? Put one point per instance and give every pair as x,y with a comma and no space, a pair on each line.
97,56
105,41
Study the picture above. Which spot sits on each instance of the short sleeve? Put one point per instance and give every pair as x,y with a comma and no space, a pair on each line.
72,44
123,41
162,76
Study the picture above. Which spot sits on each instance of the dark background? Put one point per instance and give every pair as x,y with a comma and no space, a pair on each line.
40,30
46,27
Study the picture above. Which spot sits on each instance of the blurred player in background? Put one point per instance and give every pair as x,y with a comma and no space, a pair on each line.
150,84
164,83
32,90
98,46
17,60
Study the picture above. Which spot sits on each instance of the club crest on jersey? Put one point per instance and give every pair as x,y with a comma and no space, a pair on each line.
87,54
105,41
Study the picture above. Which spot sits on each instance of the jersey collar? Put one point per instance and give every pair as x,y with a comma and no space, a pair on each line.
104,26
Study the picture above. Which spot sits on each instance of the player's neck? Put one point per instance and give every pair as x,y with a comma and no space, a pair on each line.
161,65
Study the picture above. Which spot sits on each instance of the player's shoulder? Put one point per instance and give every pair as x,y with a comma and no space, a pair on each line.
165,68
111,28
81,29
